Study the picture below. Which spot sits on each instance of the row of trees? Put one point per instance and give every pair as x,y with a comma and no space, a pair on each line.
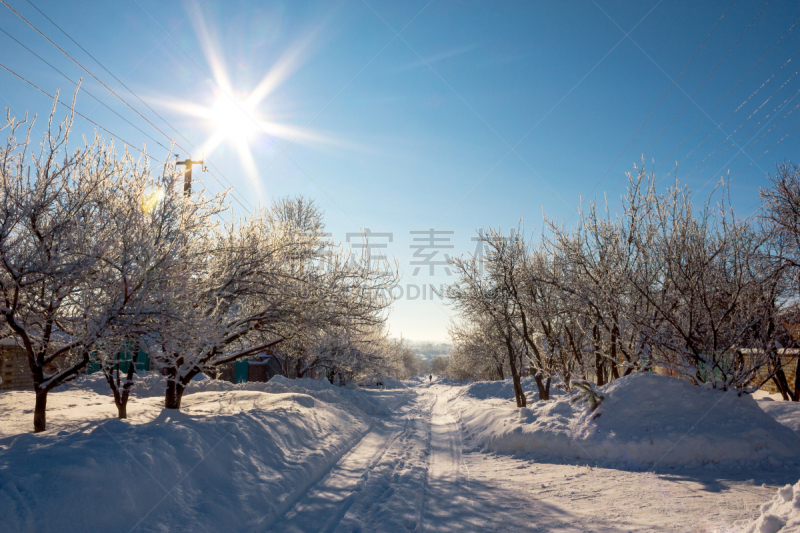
699,293
98,254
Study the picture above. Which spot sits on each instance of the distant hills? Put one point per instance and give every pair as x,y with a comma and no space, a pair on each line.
429,350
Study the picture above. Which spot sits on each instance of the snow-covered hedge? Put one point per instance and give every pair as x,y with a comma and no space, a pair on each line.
645,420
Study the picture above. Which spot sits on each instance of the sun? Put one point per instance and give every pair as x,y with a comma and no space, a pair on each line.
230,119
237,118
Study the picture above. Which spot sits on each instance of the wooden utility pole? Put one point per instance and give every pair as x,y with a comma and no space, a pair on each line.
187,176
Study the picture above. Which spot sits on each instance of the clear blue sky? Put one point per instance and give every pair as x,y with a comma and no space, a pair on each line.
411,132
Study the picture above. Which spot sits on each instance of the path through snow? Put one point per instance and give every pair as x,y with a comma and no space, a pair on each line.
416,471
306,456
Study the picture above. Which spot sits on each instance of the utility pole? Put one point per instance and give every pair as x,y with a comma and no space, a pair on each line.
187,176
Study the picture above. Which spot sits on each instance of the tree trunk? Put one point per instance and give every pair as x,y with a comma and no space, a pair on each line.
174,394
544,389
781,388
779,377
614,337
598,358
40,412
518,392
796,395
121,401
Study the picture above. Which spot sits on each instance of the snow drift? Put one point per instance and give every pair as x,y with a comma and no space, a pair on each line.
781,515
485,390
645,421
152,384
230,461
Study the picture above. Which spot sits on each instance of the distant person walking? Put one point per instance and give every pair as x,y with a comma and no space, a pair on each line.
430,378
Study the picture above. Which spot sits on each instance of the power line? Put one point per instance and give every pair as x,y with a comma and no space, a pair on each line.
751,143
707,78
71,108
112,134
771,147
84,90
674,82
108,88
770,116
737,110
728,94
248,115
691,98
135,96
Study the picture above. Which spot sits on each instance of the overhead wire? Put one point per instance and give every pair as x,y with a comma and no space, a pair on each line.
708,115
770,116
84,90
691,98
751,143
771,147
71,108
109,89
753,94
646,120
121,82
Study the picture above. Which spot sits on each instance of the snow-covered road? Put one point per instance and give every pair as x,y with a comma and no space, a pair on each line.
303,456
416,471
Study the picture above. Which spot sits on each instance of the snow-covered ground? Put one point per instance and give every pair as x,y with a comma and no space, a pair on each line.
305,456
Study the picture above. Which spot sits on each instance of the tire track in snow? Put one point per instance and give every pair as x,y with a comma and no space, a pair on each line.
322,506
444,498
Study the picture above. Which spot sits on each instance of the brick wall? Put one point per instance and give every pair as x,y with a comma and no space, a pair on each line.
14,369
789,365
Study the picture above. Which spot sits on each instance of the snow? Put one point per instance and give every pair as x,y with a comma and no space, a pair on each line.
780,515
484,390
646,421
231,459
787,413
153,385
303,455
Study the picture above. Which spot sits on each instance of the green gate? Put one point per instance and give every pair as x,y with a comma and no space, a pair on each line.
240,371
124,359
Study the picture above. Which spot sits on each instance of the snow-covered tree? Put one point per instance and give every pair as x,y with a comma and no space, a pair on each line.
478,351
699,293
482,293
781,218
155,224
254,283
54,235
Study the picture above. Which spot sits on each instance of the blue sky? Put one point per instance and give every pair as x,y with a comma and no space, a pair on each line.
407,116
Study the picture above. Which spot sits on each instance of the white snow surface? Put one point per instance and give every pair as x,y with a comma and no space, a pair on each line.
780,515
646,420
153,385
235,457
302,455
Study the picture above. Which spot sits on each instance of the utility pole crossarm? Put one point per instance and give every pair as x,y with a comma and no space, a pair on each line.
187,177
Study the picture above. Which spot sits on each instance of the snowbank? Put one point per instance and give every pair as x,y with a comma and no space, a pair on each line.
781,515
152,384
504,390
646,420
787,413
231,460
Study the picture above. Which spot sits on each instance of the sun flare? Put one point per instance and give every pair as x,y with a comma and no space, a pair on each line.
231,119
241,119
